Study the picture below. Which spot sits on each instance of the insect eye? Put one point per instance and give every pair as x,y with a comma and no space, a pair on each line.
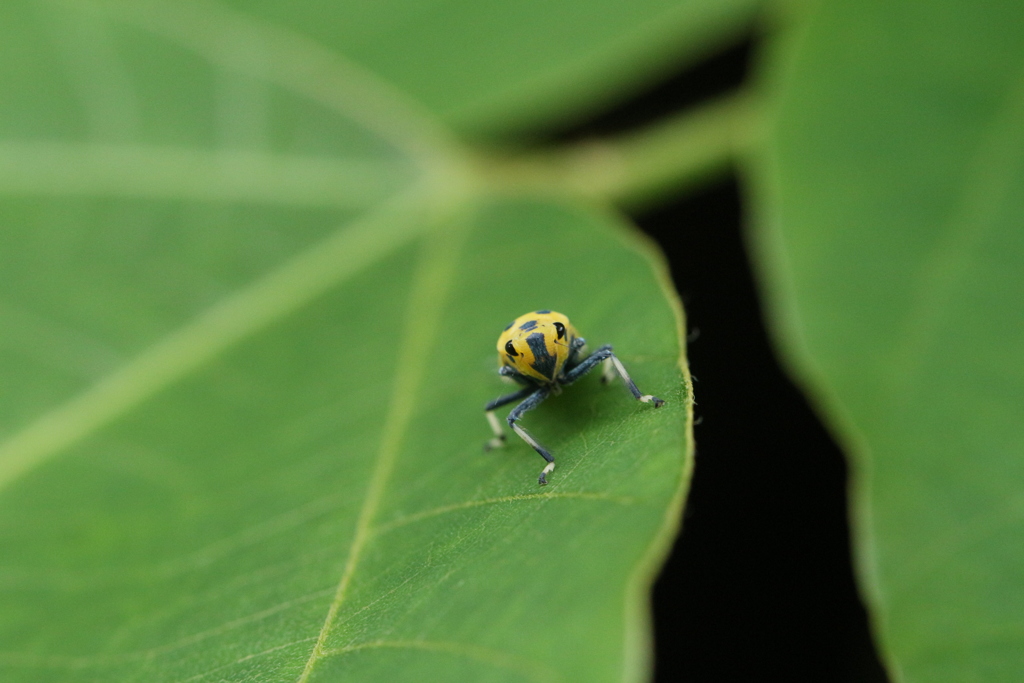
511,350
560,328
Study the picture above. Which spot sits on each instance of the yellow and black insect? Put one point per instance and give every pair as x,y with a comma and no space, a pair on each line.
542,351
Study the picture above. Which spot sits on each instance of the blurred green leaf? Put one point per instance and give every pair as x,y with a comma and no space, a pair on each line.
893,244
494,67
248,305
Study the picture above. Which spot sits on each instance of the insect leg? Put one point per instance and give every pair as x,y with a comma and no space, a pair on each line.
608,371
499,436
605,354
574,352
532,401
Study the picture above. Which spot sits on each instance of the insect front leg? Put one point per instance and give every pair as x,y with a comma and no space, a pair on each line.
532,401
575,347
499,436
605,354
608,371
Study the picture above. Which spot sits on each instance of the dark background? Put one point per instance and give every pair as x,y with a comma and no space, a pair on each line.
759,586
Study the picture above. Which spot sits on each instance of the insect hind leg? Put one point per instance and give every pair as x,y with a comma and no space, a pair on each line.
608,371
498,440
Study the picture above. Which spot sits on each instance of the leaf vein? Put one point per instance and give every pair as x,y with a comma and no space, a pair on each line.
429,290
251,309
496,658
65,662
58,168
299,65
466,505
246,658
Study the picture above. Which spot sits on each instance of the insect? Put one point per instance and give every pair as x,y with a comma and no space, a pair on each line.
542,352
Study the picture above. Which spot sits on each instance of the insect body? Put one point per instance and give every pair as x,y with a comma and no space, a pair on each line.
542,352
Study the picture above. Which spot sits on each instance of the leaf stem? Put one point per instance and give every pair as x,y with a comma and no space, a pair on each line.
635,168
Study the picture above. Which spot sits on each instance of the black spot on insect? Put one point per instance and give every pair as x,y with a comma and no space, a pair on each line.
528,325
508,326
560,328
543,362
511,350
544,312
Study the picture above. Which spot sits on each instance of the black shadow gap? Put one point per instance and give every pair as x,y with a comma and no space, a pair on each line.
759,586
721,73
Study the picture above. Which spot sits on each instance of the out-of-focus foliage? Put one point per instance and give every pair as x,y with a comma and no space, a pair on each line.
492,67
892,238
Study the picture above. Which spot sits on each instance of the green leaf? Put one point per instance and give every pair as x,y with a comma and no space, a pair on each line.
894,177
248,304
491,67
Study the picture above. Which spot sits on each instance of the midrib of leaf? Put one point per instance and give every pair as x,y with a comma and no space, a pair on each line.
180,173
430,287
278,293
988,181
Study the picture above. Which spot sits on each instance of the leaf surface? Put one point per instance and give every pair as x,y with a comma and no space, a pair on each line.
894,180
247,331
492,67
